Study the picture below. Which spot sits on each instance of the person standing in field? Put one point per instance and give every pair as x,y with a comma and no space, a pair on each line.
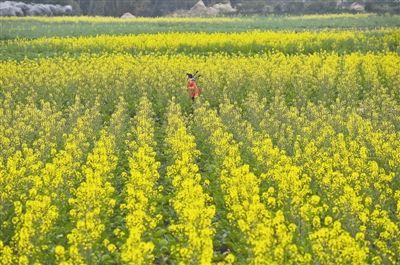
193,90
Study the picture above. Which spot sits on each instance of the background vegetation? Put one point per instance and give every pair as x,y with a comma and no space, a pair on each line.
163,7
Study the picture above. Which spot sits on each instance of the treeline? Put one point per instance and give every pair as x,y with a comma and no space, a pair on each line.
118,7
165,7
318,6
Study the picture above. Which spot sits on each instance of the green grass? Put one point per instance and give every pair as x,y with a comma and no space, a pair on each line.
34,27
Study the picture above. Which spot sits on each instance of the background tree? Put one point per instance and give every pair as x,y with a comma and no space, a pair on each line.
164,7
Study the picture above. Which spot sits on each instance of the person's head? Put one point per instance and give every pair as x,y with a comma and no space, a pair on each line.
189,76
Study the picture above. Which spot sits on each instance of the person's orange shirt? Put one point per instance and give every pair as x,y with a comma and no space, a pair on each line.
192,88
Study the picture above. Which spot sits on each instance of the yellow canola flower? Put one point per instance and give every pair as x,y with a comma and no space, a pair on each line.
334,245
192,205
268,235
67,161
37,221
323,129
6,254
348,176
140,187
93,202
243,42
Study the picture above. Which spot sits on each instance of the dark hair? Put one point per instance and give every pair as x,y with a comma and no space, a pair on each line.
189,75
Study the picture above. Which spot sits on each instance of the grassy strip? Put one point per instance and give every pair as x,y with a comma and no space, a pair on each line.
36,27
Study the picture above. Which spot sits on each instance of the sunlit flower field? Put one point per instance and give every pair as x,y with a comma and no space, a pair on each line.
291,155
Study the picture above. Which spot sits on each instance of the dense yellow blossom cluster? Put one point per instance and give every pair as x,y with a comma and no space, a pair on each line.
92,202
288,157
140,187
380,40
267,234
193,207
